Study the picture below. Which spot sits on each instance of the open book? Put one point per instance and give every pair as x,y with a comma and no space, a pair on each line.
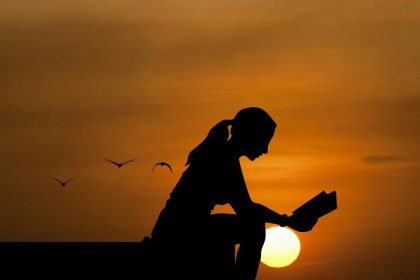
306,216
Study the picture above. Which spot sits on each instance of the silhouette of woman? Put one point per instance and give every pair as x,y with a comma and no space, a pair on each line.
188,234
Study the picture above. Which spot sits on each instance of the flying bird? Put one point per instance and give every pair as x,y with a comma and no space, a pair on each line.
120,164
162,164
61,182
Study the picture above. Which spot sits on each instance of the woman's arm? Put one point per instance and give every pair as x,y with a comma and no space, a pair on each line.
241,201
271,216
243,205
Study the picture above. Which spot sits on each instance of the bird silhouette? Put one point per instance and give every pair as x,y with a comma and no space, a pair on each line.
162,164
63,183
120,164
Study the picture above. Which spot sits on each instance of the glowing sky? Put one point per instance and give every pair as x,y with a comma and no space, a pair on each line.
85,80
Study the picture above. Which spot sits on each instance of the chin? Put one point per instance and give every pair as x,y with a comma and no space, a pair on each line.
252,158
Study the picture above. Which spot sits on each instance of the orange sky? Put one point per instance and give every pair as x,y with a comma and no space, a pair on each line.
84,80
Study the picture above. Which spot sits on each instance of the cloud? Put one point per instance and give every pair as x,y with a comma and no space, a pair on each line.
376,159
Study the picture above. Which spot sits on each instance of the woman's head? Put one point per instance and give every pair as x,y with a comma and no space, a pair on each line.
252,130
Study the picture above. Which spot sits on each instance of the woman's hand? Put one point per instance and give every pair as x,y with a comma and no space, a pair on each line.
270,216
283,220
301,223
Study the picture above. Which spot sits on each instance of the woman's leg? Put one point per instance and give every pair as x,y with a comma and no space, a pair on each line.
251,239
228,230
221,237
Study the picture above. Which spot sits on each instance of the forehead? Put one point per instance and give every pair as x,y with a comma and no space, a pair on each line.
269,135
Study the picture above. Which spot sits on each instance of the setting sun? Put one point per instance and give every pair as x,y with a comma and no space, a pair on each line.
281,247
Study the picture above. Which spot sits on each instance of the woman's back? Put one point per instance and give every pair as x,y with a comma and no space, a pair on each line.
206,182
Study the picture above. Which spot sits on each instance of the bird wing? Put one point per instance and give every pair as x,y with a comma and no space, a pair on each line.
70,179
112,161
129,161
167,164
58,180
155,166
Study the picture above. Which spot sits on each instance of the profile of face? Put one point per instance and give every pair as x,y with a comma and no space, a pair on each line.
254,145
252,131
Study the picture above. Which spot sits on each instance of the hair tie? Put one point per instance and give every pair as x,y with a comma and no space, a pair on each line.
228,122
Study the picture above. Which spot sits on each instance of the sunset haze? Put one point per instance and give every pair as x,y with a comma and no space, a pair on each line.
81,81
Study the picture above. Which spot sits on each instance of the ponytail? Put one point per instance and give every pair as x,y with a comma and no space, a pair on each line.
216,139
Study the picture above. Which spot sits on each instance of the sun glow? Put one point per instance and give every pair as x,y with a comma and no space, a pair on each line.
281,247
